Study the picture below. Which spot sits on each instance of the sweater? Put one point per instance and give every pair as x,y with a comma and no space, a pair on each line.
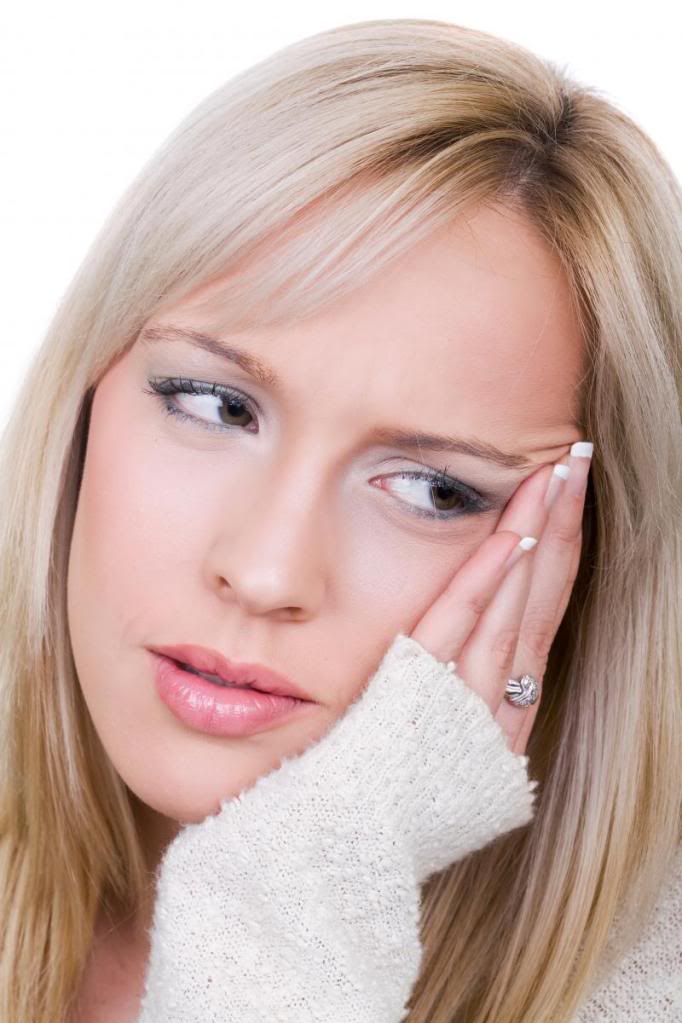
645,986
299,901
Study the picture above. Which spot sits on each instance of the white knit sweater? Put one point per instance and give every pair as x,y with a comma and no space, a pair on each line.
299,902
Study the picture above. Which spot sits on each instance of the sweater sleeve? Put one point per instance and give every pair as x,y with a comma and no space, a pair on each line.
299,901
646,984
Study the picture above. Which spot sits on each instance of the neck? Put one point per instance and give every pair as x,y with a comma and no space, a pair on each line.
156,832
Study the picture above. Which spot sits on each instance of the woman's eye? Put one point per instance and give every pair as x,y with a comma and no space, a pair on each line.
222,408
442,497
218,407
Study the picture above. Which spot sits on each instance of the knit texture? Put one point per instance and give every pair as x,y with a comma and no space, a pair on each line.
299,901
646,984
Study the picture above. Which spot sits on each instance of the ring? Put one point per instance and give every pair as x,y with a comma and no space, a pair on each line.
522,692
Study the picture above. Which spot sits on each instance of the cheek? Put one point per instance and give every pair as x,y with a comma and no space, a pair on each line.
127,583
400,574
146,506
133,523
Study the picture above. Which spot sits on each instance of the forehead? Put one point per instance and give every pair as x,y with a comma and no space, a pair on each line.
474,323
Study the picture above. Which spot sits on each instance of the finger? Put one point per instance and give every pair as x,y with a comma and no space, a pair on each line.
517,722
485,659
451,618
555,566
449,621
568,589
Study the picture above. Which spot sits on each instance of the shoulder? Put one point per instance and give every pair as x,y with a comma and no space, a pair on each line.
646,984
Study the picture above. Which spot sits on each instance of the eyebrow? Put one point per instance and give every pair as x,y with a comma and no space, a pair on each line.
392,437
251,364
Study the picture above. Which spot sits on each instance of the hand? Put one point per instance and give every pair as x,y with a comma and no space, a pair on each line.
497,622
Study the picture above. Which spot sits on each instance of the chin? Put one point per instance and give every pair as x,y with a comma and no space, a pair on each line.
179,811
188,801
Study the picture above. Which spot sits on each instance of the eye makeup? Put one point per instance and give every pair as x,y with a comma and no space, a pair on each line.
439,486
230,398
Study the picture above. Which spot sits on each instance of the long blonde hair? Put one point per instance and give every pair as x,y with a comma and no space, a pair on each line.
390,127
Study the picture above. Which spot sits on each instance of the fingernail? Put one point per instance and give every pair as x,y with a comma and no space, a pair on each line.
526,544
556,480
582,451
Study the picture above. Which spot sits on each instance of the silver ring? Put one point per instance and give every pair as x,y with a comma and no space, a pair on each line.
522,692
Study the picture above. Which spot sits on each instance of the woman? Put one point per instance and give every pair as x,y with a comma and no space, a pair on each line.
386,229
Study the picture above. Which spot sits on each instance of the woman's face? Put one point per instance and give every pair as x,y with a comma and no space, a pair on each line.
284,535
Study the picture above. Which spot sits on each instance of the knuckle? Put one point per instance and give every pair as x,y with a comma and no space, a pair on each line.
504,647
539,631
564,534
476,603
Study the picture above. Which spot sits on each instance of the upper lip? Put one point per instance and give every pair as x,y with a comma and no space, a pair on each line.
255,676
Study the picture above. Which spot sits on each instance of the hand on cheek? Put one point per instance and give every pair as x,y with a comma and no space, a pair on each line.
498,616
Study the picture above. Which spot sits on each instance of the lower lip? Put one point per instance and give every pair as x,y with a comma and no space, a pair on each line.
220,710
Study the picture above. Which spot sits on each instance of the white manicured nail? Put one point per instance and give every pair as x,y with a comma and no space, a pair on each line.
561,473
582,449
526,544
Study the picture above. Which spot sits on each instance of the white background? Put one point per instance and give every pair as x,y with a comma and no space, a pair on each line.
88,92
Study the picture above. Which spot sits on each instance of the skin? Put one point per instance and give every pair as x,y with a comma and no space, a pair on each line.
471,334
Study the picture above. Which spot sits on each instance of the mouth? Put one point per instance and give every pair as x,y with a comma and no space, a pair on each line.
219,670
218,705
216,679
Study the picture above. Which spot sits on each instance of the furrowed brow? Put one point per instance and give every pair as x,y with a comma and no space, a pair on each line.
411,440
400,438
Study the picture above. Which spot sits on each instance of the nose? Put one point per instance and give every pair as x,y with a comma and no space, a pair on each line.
273,552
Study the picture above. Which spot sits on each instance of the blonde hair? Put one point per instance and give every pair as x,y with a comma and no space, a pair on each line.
390,128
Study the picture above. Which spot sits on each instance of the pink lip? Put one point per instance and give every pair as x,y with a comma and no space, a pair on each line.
255,676
218,710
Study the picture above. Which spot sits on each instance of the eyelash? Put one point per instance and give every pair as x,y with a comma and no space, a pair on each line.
164,388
